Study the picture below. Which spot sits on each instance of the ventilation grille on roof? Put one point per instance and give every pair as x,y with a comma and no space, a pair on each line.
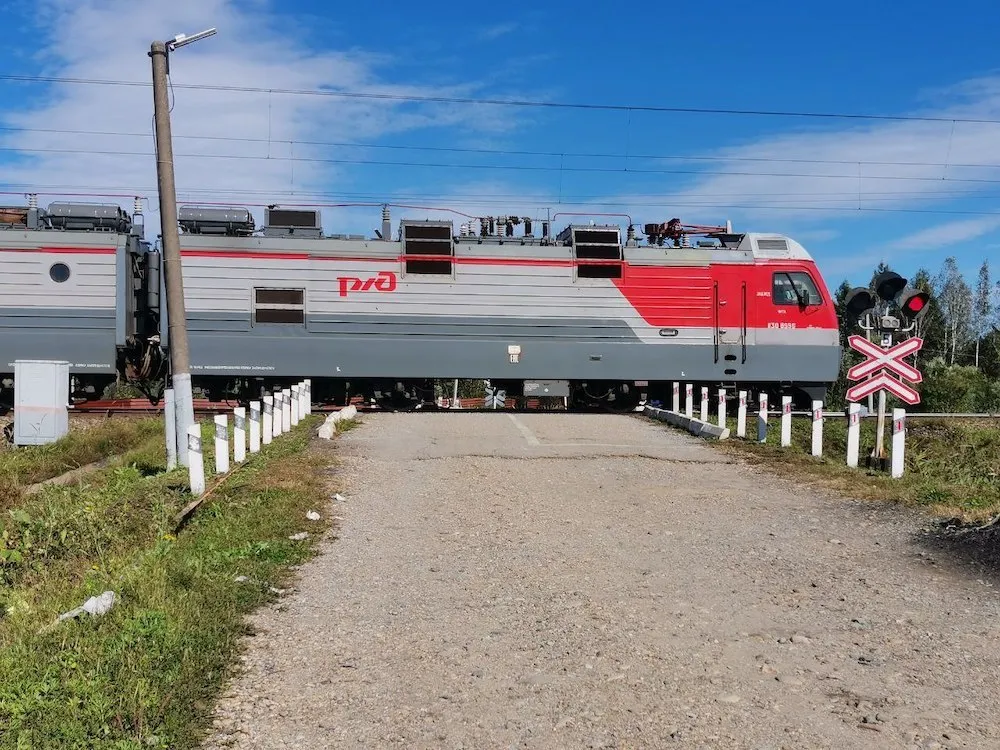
778,246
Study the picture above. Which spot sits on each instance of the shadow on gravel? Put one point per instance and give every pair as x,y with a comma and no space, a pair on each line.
963,544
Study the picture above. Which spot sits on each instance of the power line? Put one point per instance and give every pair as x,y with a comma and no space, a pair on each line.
503,102
828,196
506,152
507,167
534,202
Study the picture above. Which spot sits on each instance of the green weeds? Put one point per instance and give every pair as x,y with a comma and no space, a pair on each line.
145,674
952,467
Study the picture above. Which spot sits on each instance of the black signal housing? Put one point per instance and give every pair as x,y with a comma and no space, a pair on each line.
888,285
858,301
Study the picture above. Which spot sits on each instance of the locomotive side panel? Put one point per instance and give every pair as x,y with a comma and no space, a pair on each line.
58,300
287,314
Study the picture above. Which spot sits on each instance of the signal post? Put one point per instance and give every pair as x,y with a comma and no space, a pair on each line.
894,308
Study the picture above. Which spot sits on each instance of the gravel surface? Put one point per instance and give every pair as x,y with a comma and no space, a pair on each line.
554,580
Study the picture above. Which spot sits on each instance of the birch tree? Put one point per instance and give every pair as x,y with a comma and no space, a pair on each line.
955,300
982,307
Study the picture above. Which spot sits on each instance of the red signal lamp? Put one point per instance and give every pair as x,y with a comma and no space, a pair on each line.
913,303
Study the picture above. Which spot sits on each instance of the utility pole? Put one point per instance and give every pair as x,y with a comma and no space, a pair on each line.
180,355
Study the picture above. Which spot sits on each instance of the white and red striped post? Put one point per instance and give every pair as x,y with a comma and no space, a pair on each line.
853,434
817,422
286,410
255,426
762,419
276,414
221,444
786,421
722,407
677,398
279,408
295,405
741,416
688,400
239,434
267,423
196,460
704,403
898,442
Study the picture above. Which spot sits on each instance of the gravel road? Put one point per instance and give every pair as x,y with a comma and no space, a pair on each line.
587,581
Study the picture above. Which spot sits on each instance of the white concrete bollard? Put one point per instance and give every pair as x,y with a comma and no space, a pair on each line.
278,409
741,416
239,434
302,400
762,419
722,407
221,444
704,404
286,410
255,426
817,415
170,425
853,434
677,398
898,442
308,396
295,405
688,400
786,421
267,421
196,461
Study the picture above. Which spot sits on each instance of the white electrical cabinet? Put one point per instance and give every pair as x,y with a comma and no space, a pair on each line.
41,401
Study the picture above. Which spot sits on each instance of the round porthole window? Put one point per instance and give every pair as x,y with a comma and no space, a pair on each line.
59,272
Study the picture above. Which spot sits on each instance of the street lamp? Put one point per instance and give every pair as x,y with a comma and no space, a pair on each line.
180,355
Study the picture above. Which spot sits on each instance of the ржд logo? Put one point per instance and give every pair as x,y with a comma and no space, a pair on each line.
383,281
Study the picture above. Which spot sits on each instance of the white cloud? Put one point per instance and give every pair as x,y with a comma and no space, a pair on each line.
863,162
947,234
252,48
498,30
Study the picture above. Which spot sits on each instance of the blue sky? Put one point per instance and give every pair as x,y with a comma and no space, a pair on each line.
806,177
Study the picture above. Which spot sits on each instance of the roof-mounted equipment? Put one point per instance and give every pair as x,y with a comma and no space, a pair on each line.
88,217
227,222
286,222
676,234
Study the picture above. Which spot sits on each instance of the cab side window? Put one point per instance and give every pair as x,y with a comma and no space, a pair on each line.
792,288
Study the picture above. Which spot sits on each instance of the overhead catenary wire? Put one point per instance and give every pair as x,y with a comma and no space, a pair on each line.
507,152
503,167
537,204
443,99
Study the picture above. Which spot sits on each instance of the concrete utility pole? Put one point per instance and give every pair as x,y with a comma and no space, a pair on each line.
180,356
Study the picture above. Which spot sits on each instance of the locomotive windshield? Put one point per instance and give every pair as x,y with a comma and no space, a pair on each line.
794,288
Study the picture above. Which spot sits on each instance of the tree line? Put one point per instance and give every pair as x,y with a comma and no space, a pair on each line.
960,358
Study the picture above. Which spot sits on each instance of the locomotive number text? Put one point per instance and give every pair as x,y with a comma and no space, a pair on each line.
781,325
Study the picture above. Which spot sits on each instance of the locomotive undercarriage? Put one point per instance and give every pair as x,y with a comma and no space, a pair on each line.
407,395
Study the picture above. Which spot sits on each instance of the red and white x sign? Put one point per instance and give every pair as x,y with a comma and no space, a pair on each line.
900,390
885,359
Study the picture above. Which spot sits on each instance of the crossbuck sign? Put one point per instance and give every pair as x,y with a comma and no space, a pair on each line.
880,363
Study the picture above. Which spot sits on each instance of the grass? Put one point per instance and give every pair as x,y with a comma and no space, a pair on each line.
952,467
144,675
23,466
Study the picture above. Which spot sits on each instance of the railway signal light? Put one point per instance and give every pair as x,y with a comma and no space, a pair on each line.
888,285
859,301
913,303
